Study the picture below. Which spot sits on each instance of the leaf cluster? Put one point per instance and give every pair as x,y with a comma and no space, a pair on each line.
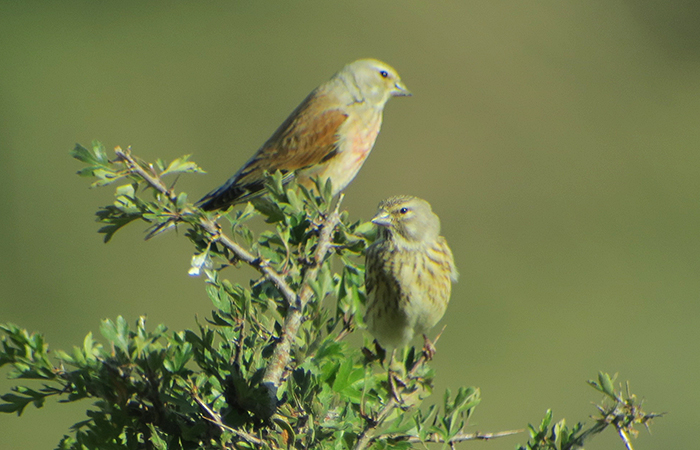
273,366
130,204
206,388
621,410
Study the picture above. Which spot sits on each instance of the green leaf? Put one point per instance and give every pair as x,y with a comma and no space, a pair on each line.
269,209
606,385
89,347
156,438
544,425
117,333
126,190
346,375
327,191
82,154
182,165
296,203
99,151
366,229
14,403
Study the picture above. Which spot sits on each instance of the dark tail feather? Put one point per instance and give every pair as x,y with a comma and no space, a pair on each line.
224,197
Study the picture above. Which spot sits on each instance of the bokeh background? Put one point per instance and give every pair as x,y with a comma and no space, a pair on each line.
559,142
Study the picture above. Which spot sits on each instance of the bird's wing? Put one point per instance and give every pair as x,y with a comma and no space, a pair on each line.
307,137
449,258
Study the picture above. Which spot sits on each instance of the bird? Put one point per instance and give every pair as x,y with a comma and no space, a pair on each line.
409,271
329,135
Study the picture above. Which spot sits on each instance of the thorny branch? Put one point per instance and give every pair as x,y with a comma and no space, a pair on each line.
152,179
212,228
282,354
367,436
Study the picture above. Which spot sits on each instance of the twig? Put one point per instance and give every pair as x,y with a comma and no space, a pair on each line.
282,354
216,419
211,227
242,254
624,437
367,435
458,438
135,167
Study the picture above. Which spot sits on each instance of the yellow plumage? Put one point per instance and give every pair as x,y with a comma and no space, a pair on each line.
409,272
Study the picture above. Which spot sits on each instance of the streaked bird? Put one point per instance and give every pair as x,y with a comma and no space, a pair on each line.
409,272
329,135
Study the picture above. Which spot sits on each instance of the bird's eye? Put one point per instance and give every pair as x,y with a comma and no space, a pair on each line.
384,73
403,210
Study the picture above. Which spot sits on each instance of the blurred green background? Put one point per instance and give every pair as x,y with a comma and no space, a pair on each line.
558,141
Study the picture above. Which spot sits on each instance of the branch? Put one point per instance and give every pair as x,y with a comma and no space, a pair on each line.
367,435
242,254
458,438
282,354
152,179
216,419
625,439
212,228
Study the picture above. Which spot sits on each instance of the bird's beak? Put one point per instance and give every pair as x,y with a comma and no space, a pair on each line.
382,219
401,90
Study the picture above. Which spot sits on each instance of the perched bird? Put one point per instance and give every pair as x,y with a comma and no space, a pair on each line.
329,135
409,272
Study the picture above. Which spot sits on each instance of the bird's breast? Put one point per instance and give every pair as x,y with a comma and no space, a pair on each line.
356,138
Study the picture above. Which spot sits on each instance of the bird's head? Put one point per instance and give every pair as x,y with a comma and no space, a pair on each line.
407,219
376,81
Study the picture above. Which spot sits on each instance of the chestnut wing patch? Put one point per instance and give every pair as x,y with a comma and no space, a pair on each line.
308,136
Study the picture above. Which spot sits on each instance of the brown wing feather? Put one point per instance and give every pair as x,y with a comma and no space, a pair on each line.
308,136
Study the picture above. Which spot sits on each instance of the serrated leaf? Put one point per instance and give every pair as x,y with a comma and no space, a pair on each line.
82,154
126,190
15,403
182,165
99,151
88,347
116,333
606,385
294,200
